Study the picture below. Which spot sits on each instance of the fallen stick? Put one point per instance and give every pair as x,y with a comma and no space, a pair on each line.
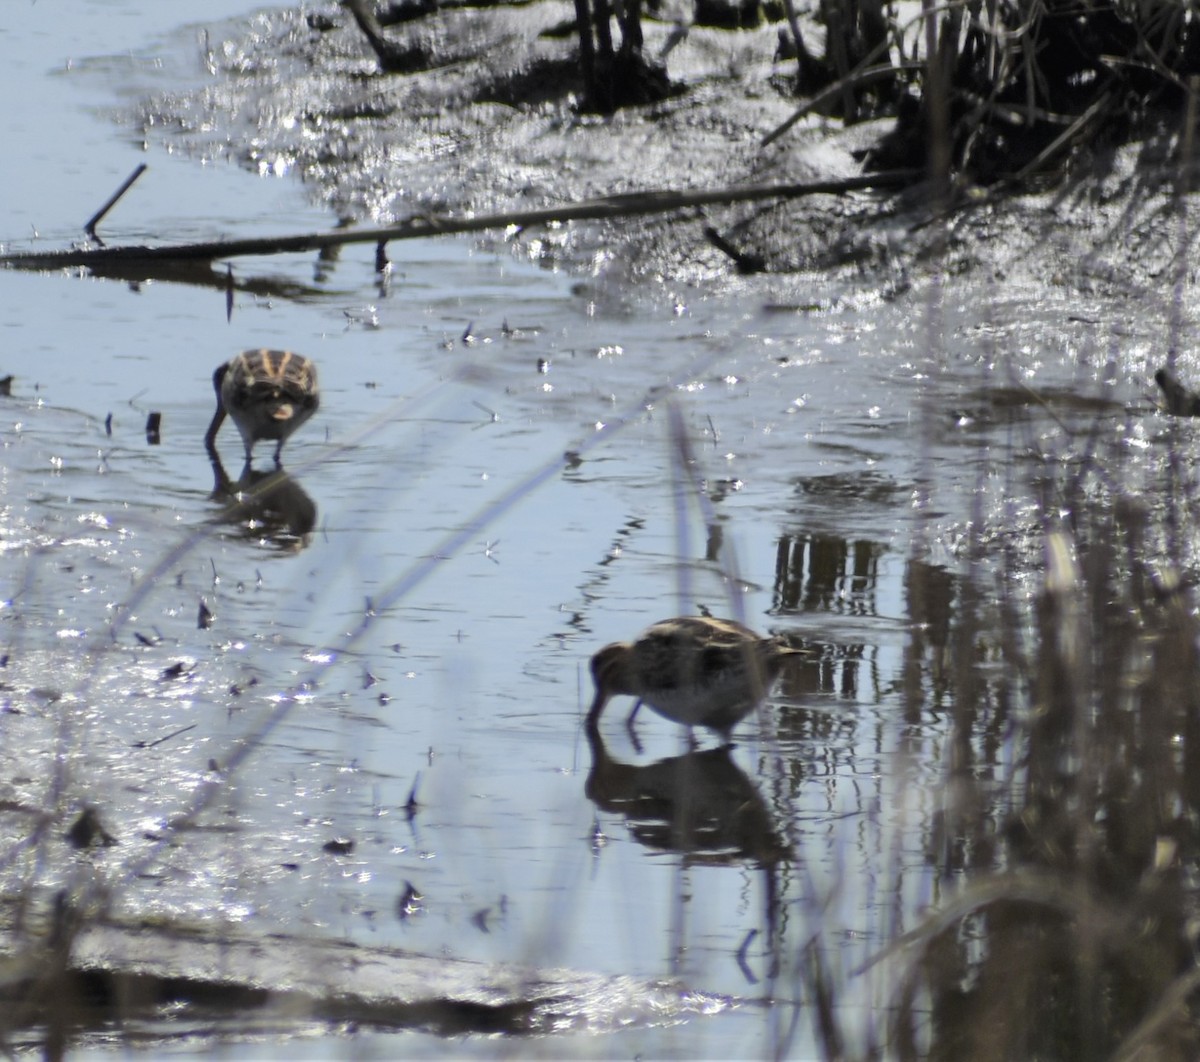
94,220
631,204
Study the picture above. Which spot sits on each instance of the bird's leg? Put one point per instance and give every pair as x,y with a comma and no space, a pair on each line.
222,488
210,437
637,745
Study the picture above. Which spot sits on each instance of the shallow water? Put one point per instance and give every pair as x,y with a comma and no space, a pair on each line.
431,639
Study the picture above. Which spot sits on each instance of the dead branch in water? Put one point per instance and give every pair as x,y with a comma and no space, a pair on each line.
95,219
630,204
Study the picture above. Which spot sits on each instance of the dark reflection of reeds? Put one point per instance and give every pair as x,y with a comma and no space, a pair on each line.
1065,843
826,572
1068,928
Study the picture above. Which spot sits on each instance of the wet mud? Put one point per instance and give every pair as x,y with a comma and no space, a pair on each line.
136,975
491,119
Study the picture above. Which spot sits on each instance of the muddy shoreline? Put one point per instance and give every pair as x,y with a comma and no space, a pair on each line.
135,975
488,127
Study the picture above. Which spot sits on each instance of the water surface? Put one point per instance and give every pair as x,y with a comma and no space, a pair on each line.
429,642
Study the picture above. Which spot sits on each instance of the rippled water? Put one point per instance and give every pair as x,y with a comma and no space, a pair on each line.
430,641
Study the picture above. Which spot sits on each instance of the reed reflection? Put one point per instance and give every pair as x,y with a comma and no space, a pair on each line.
827,573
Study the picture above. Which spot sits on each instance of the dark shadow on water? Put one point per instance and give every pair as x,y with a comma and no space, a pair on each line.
201,273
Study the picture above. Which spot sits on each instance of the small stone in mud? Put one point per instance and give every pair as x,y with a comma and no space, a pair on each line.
205,619
153,428
338,846
320,22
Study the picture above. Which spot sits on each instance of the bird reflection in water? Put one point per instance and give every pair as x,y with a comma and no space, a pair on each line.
700,804
264,506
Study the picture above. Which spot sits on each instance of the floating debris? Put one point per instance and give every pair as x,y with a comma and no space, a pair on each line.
411,804
1178,399
411,902
87,830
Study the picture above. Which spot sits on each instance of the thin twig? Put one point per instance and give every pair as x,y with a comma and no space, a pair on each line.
95,219
166,737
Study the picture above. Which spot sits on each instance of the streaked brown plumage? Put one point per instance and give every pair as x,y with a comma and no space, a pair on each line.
268,393
693,670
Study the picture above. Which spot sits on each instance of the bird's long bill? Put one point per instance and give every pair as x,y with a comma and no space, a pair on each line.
601,699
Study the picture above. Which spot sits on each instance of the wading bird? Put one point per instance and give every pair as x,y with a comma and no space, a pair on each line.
693,670
268,393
